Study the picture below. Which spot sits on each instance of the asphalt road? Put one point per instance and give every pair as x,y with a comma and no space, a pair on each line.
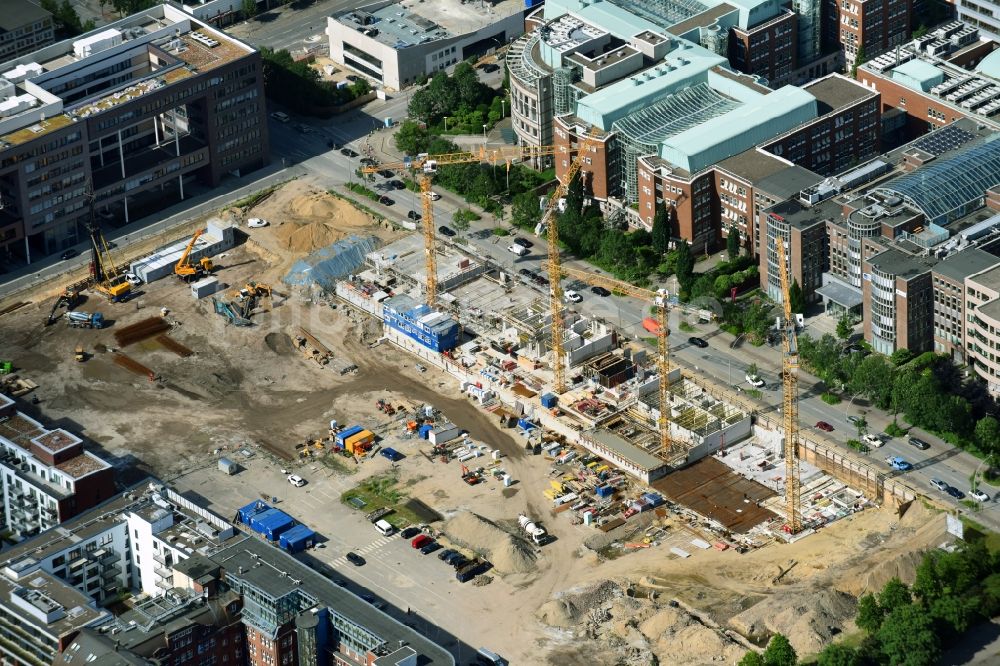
286,27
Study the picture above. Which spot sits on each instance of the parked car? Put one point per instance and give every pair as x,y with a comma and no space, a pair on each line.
853,418
396,184
489,68
420,541
698,342
754,381
526,272
386,173
340,581
355,559
898,463
256,222
572,296
410,532
296,480
280,116
517,249
979,496
918,443
367,161
873,441
68,254
600,291
446,553
348,152
430,547
434,196
940,485
414,215
955,492
386,201
133,279
525,243
446,231
824,426
540,279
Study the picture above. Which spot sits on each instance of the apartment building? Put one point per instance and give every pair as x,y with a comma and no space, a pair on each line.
24,27
982,321
803,235
983,15
46,476
133,116
876,26
923,80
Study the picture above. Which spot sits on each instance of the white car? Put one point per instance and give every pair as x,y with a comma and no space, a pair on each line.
755,381
572,296
519,250
133,279
873,441
979,496
296,480
256,222
434,196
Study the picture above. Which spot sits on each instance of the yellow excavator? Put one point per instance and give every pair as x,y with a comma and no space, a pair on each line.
188,271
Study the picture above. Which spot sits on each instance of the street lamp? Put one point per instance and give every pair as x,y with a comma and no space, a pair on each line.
446,123
503,108
484,132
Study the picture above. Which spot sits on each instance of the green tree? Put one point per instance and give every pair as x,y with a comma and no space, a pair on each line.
870,615
795,297
756,322
752,658
460,222
661,230
895,594
873,378
845,327
411,138
249,8
859,59
862,425
838,654
525,211
752,370
987,433
733,243
422,105
684,265
779,652
360,87
907,637
901,356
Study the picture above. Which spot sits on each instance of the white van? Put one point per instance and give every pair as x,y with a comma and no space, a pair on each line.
384,528
519,250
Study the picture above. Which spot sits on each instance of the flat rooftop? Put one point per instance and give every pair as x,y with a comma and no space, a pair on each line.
835,92
68,609
402,26
753,165
82,465
896,262
968,262
263,565
989,279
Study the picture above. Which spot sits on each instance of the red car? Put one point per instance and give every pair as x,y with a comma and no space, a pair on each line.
824,426
420,541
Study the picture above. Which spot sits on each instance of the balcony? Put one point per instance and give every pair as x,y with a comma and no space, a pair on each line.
163,572
110,572
161,558
165,583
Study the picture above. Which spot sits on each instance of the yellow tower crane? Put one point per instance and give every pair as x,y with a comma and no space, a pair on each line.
554,269
659,299
790,400
427,166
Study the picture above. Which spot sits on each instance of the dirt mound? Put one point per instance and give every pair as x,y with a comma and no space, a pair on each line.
507,553
808,619
279,343
306,218
573,605
903,567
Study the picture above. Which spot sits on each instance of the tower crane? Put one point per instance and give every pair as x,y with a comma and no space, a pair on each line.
554,268
790,399
427,166
659,299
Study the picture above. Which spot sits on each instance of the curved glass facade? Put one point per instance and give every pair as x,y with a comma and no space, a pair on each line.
948,189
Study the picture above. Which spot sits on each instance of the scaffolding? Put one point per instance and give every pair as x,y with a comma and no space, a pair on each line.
662,12
641,133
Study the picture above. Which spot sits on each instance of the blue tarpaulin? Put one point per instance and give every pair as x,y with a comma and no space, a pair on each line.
328,264
297,539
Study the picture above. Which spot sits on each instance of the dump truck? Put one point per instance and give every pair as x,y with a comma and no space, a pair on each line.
81,319
534,530
469,571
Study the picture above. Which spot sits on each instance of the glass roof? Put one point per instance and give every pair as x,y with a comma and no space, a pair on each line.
681,111
943,190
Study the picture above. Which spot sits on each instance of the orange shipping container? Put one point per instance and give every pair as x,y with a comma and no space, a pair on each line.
359,441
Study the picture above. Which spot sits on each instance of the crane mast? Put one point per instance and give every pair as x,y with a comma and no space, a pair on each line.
790,399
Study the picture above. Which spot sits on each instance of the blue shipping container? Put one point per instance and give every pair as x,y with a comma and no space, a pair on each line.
529,4
604,491
525,424
549,400
271,523
250,510
297,539
344,435
425,431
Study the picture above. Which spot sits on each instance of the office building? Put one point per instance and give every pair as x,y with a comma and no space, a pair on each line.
398,45
899,302
981,14
24,27
134,115
949,277
924,80
804,240
982,334
876,26
46,476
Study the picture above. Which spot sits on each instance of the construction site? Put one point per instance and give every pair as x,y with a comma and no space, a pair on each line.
274,345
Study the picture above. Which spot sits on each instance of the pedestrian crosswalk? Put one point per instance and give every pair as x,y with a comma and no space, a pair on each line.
364,550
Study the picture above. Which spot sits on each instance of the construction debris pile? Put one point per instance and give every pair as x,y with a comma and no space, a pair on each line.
508,553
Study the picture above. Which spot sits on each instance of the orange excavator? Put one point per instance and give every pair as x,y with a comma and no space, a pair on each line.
188,271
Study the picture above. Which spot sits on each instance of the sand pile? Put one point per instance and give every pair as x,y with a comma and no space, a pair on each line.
306,218
572,606
808,619
507,553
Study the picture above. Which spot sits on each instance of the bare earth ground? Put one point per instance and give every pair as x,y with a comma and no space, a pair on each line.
250,385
